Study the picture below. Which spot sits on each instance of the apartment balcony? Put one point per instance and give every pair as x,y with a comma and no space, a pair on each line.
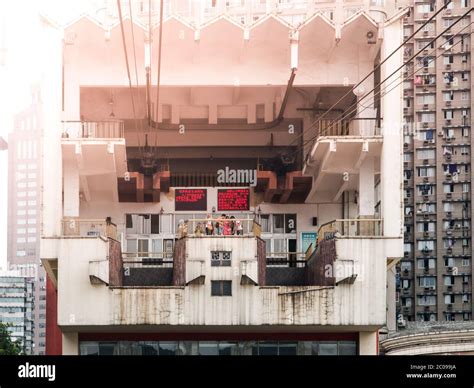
94,152
226,280
92,130
341,150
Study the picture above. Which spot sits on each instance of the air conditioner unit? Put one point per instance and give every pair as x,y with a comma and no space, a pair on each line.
426,270
449,232
425,32
426,216
448,103
448,121
425,106
448,214
457,226
448,12
440,133
449,195
425,161
448,66
425,125
426,198
426,234
448,156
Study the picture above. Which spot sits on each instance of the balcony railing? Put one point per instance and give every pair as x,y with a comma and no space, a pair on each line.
350,228
219,227
74,227
113,129
359,127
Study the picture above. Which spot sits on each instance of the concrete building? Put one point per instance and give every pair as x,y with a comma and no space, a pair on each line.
435,275
17,307
24,204
134,180
431,338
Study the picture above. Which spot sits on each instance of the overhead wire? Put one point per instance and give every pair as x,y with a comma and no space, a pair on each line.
358,102
385,92
373,71
158,76
130,84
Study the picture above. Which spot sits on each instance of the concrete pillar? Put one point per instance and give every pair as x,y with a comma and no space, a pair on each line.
71,189
391,158
391,296
368,345
70,344
367,187
51,155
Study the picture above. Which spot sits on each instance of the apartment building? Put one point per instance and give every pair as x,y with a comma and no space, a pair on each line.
24,205
17,307
222,217
435,275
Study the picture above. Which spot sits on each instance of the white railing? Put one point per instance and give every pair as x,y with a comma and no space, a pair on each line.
93,129
75,227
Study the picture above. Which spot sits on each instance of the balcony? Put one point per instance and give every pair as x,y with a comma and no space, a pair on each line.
93,130
265,288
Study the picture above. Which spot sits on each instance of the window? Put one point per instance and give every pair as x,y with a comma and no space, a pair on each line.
448,114
427,281
449,59
426,263
449,280
428,117
426,171
221,288
464,3
425,245
426,226
466,262
449,299
464,96
142,223
465,298
220,259
405,266
425,154
449,262
448,96
427,300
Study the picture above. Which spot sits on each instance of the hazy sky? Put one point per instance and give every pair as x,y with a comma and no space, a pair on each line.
21,36
19,29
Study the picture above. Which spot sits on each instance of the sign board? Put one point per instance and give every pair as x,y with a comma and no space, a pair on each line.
308,238
191,199
233,199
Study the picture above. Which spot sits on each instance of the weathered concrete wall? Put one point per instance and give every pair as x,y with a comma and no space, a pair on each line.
83,304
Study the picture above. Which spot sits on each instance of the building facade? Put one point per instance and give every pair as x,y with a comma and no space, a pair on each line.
17,308
431,338
24,204
435,275
224,216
